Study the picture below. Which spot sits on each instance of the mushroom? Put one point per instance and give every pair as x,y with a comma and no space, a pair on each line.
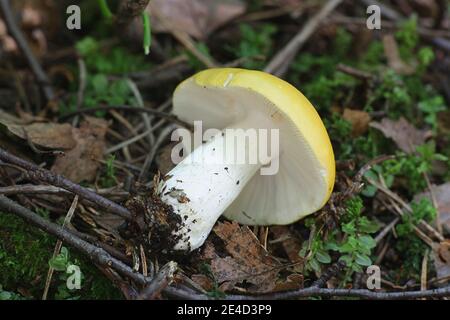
206,184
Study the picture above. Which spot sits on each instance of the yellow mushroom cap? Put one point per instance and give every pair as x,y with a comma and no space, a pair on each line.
219,97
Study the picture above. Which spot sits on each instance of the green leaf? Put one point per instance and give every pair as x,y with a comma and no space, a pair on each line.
87,46
363,260
5,295
331,245
367,241
347,259
367,226
369,191
100,83
59,263
314,265
323,256
349,228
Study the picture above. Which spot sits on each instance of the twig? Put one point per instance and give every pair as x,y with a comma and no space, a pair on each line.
149,159
281,61
97,254
140,103
101,257
81,87
386,230
162,280
328,274
423,276
45,189
184,39
40,174
435,203
407,207
354,72
58,246
360,293
129,141
22,43
158,113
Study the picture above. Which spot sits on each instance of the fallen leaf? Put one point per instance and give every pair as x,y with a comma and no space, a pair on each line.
203,281
247,259
393,56
359,120
404,134
197,18
291,244
442,196
293,282
43,134
81,162
441,258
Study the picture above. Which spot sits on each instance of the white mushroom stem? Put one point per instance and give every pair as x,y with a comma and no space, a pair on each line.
203,185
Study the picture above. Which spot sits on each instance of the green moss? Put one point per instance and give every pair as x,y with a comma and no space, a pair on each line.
25,252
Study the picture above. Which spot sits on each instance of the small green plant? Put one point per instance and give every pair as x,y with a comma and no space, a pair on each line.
255,45
407,38
409,246
193,61
60,264
352,241
215,292
431,107
116,60
24,260
409,167
109,179
7,295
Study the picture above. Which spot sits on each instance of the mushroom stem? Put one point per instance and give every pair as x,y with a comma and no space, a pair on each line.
202,186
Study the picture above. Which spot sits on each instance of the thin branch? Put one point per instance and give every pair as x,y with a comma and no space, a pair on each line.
40,174
149,159
45,189
101,257
157,113
161,281
81,87
329,273
281,61
97,254
359,293
58,246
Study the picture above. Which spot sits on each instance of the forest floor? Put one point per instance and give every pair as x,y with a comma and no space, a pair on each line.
90,105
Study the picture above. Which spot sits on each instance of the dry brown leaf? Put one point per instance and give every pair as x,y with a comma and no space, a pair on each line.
203,281
404,134
359,120
43,134
441,258
442,196
81,162
197,18
393,56
49,135
293,282
247,259
291,244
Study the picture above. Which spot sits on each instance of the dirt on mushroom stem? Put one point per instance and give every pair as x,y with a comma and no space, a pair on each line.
155,225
